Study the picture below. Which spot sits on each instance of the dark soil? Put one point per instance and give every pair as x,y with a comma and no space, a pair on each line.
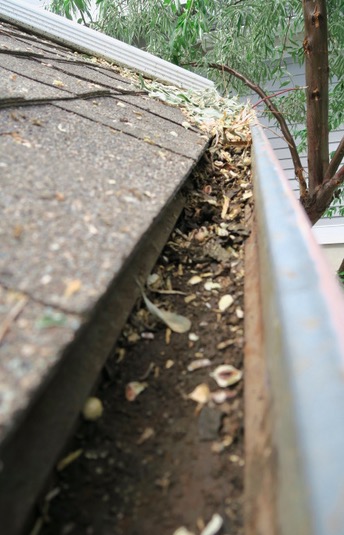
163,461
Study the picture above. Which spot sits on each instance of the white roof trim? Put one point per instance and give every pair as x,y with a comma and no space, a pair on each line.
86,40
329,231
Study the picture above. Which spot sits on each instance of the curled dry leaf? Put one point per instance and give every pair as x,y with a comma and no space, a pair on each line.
210,285
183,531
225,344
239,312
225,302
197,364
201,394
220,396
147,434
176,322
219,447
69,459
133,389
213,526
153,278
193,337
225,206
196,279
226,375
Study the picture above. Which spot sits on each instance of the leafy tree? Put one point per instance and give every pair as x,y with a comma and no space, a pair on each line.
243,45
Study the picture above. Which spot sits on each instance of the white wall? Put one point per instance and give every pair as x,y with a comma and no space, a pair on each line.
328,231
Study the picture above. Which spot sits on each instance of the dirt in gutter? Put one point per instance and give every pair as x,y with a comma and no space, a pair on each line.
171,460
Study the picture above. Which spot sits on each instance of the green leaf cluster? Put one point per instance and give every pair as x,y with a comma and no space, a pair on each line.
258,38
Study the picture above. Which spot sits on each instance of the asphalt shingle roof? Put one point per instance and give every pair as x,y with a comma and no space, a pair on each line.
88,162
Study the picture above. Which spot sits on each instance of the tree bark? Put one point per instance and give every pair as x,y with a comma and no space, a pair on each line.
316,61
321,199
336,160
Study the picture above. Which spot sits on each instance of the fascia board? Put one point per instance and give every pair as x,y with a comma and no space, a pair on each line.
329,231
89,41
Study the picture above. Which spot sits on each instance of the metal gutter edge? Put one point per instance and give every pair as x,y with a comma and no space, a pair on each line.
303,319
90,41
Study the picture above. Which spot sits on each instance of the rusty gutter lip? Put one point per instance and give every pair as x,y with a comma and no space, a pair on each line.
303,314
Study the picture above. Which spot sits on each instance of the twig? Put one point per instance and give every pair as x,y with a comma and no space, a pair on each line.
11,317
284,127
336,160
277,94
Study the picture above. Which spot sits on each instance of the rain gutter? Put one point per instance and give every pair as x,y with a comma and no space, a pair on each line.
302,347
86,40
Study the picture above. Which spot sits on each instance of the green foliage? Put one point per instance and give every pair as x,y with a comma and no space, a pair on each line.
255,37
79,9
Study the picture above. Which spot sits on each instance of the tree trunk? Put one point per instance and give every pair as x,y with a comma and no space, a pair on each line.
316,60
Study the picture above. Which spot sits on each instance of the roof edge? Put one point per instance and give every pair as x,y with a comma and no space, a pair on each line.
89,41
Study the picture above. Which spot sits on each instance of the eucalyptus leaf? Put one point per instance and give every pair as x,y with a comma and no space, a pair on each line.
176,322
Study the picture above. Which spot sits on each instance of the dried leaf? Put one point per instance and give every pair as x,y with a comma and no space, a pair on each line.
183,531
176,322
225,302
219,447
72,287
190,298
226,375
168,333
225,206
225,344
220,396
239,312
69,459
193,337
153,278
133,389
196,279
197,364
147,434
210,285
201,394
213,526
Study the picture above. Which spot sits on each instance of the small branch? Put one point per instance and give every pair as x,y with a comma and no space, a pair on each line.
322,197
336,161
277,94
276,113
12,316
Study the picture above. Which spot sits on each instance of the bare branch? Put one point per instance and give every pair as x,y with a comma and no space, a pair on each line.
284,127
278,93
336,160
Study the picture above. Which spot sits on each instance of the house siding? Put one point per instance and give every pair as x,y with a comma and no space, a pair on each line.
329,231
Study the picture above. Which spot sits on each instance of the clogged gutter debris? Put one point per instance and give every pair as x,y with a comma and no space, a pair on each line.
166,455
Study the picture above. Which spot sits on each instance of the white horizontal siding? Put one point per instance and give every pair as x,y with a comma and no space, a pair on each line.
333,231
